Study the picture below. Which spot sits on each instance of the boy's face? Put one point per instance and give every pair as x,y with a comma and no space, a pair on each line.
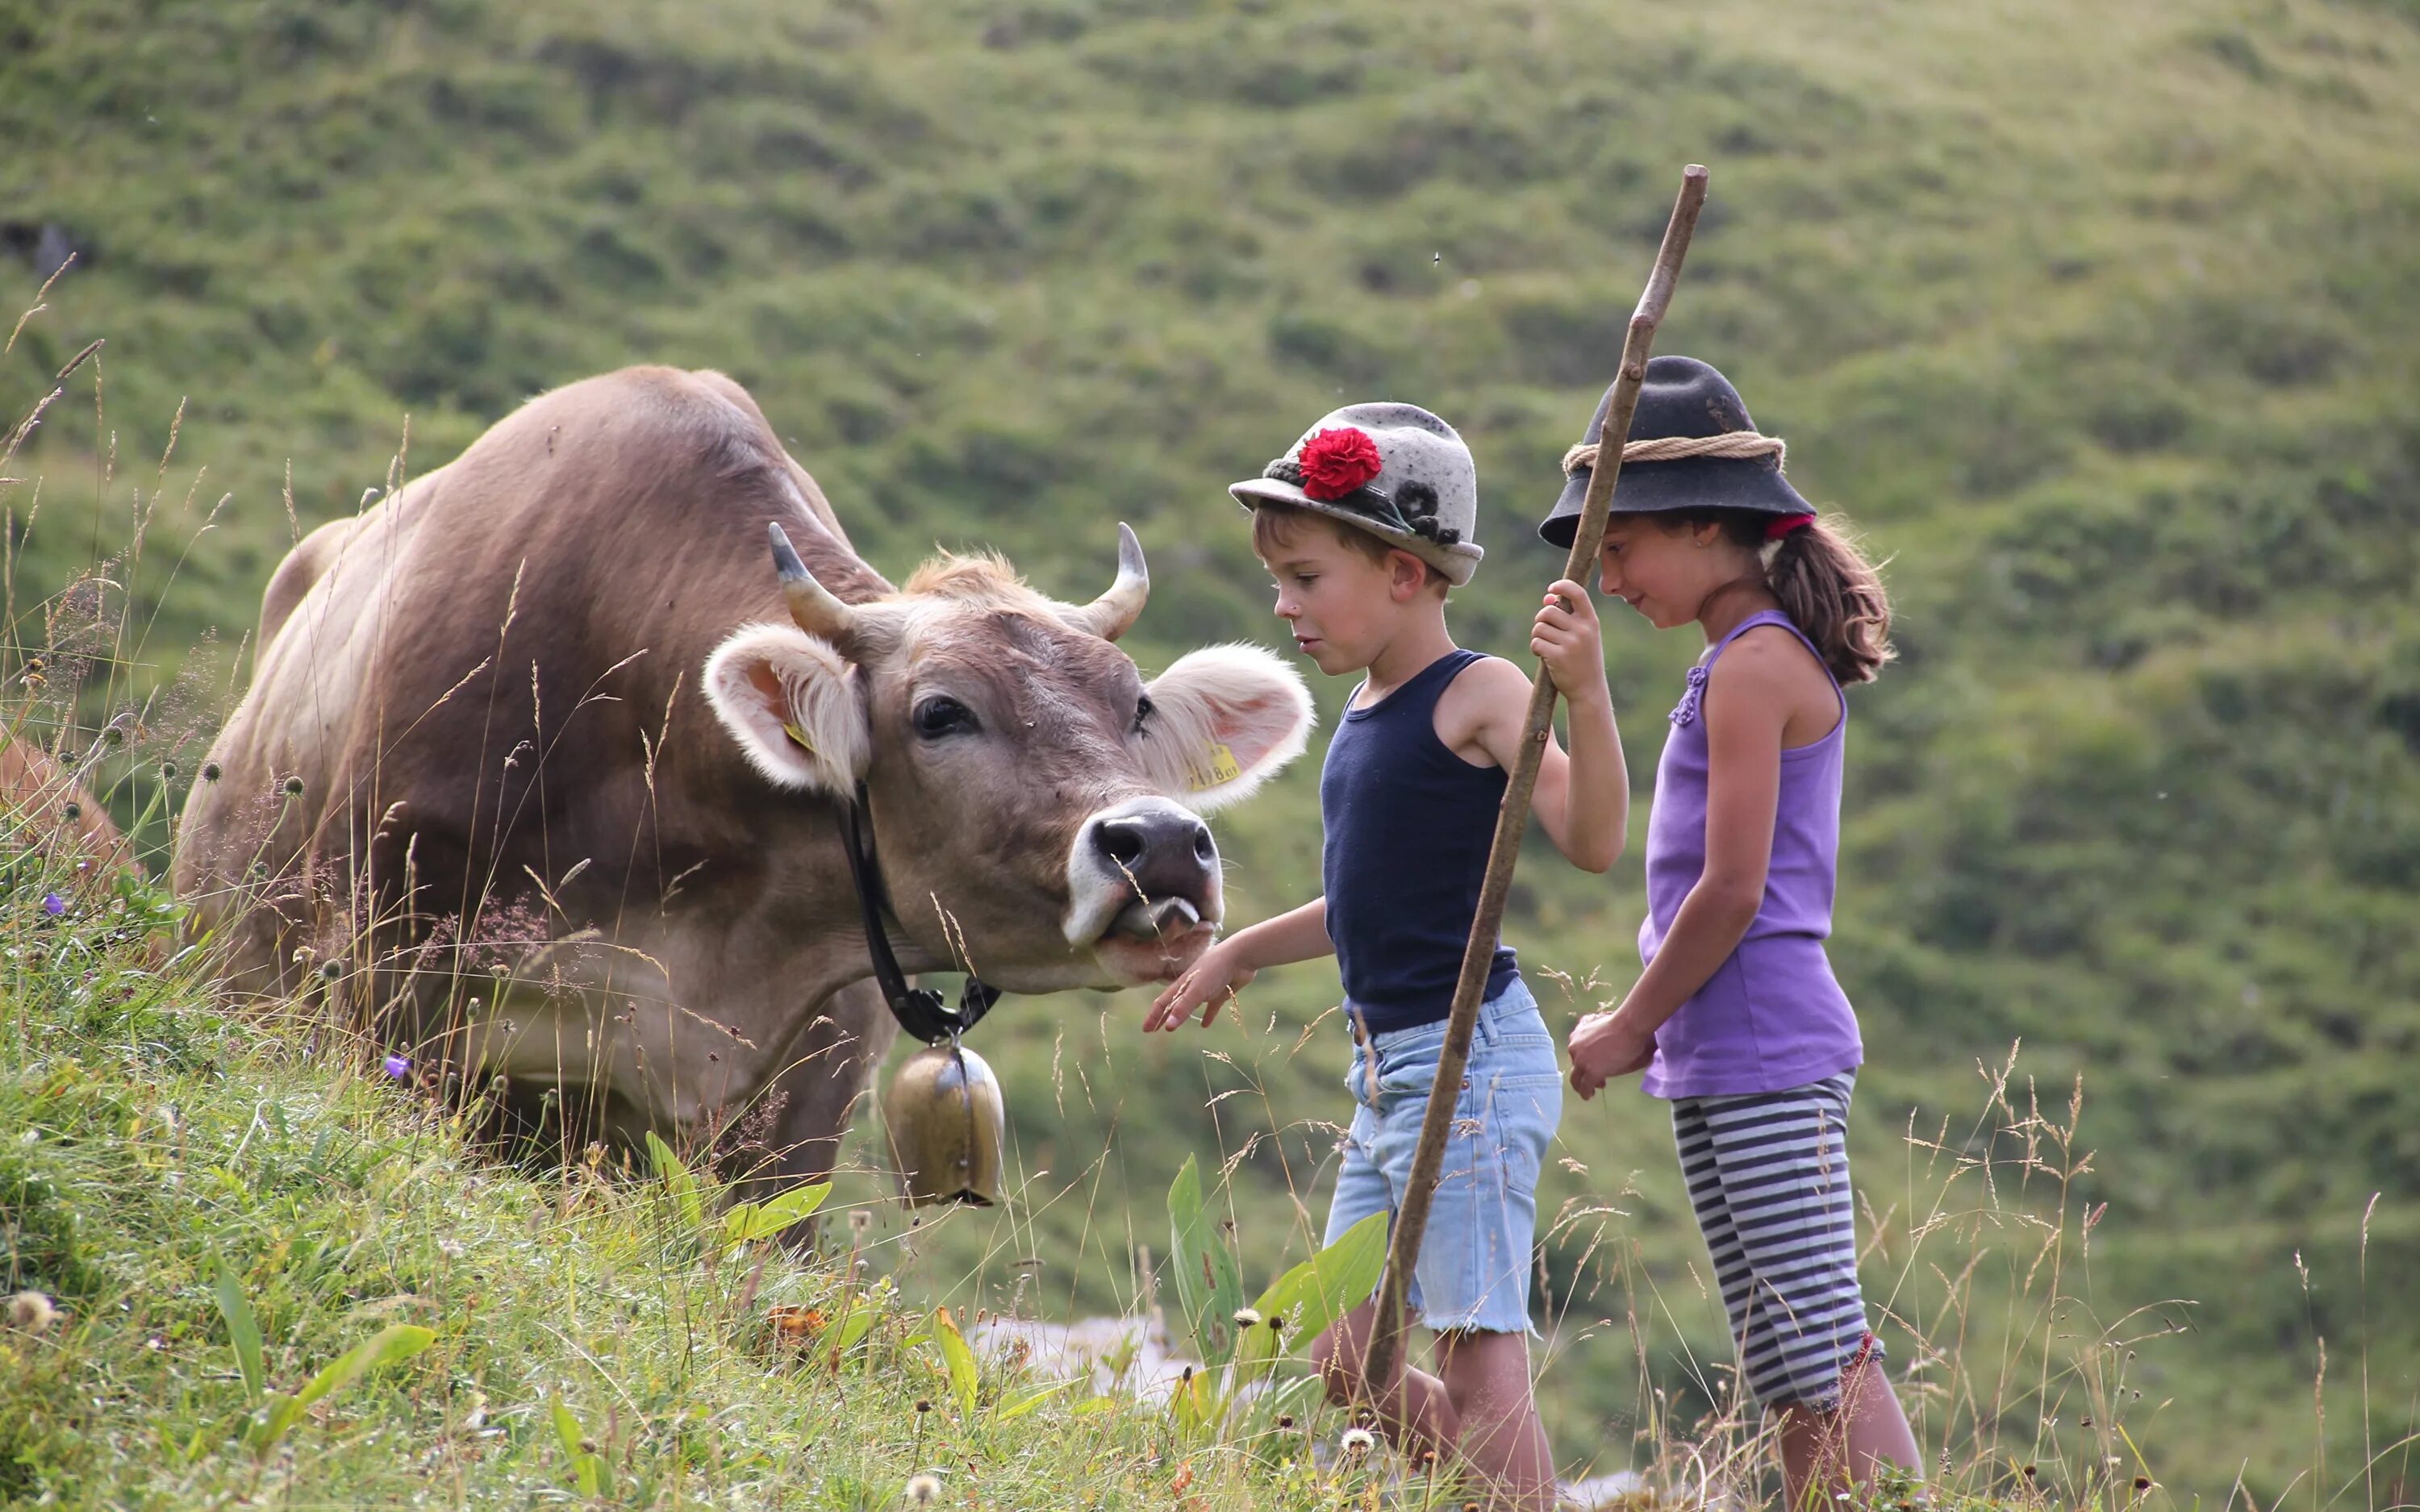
1341,605
1663,571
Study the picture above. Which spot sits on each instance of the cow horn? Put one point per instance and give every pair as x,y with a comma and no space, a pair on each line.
1115,612
812,605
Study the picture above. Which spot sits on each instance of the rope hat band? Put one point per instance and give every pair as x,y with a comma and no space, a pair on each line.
1742,444
1696,447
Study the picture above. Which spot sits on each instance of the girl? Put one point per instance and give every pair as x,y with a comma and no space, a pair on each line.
1737,1018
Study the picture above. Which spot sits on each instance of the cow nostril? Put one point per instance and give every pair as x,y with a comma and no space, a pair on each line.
1120,840
1203,850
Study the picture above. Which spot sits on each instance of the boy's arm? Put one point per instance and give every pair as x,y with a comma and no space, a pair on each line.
1228,966
1582,799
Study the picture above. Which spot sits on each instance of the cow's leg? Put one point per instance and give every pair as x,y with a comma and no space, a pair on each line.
809,1103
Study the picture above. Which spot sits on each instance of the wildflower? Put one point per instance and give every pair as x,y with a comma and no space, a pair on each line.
924,1489
332,968
209,771
72,812
2142,1483
53,904
1357,1442
924,1404
293,787
30,1312
396,1066
167,771
1247,1318
1285,1420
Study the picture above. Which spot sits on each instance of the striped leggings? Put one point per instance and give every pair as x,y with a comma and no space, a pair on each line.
1768,1174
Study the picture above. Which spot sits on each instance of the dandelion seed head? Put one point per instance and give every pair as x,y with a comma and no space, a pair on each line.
30,1312
1247,1318
1357,1442
924,1489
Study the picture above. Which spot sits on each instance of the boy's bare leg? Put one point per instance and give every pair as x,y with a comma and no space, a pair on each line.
1487,1378
1416,1411
1866,1432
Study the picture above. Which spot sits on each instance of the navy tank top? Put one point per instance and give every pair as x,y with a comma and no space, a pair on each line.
1409,826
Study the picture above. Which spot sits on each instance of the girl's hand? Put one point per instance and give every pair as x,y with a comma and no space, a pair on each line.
1210,984
1567,638
1604,1046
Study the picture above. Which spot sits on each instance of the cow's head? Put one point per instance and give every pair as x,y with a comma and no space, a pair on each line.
1035,803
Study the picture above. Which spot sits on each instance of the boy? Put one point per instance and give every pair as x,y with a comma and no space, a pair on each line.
1364,525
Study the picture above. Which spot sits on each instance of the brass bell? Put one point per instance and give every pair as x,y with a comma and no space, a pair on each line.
948,1127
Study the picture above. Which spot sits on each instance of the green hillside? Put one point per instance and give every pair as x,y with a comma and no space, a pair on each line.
2097,317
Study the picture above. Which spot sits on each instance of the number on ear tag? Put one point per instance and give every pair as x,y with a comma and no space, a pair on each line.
800,736
1222,770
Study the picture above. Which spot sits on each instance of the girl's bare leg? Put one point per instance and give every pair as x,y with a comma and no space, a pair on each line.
1866,1432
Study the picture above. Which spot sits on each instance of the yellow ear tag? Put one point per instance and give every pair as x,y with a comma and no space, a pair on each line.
1223,769
808,746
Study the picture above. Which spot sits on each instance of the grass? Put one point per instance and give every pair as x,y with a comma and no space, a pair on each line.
220,1205
2091,315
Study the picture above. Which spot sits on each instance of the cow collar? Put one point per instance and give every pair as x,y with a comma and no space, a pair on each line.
918,1009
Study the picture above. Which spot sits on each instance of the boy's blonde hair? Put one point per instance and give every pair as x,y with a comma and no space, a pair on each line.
1274,528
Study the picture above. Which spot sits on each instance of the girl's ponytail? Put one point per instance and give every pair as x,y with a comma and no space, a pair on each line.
1834,594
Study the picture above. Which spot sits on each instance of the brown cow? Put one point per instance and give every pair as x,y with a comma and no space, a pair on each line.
537,769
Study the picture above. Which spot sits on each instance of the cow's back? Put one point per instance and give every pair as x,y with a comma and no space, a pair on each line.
471,686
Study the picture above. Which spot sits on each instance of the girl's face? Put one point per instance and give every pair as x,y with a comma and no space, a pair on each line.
1667,571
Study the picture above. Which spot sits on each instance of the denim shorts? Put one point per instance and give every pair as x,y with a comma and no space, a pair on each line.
1473,1271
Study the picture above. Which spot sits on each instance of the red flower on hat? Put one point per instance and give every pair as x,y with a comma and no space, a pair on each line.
1336,462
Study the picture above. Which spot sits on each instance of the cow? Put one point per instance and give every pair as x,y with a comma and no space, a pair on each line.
544,773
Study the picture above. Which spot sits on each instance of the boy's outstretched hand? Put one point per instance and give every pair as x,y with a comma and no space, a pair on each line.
1604,1046
1567,637
1210,984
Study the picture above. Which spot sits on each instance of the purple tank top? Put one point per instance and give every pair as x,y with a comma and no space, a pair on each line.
1771,1016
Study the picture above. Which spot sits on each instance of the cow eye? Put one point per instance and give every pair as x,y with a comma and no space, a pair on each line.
939,717
1142,711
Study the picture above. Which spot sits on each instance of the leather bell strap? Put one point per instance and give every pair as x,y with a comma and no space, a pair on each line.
918,1009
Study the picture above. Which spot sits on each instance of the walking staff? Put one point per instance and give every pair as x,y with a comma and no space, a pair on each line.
1411,1221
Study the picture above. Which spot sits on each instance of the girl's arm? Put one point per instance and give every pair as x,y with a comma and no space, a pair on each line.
1752,688
1230,965
1582,799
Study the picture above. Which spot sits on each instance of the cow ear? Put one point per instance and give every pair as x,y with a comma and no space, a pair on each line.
791,701
1224,719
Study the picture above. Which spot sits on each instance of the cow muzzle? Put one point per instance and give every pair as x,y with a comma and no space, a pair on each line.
1143,886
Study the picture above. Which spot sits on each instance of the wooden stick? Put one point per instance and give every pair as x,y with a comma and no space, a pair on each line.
1411,1222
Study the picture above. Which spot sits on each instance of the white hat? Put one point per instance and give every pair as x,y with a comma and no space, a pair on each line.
1392,469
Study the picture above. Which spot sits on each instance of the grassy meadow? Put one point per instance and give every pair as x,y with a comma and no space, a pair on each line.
2096,319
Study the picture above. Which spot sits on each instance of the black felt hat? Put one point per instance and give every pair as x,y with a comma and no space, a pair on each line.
1689,406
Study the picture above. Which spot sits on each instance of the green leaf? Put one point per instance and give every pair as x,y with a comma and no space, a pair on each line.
1331,1282
391,1345
244,1332
587,1468
750,1220
394,1343
680,1183
1019,1403
1209,1285
852,1328
958,1358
